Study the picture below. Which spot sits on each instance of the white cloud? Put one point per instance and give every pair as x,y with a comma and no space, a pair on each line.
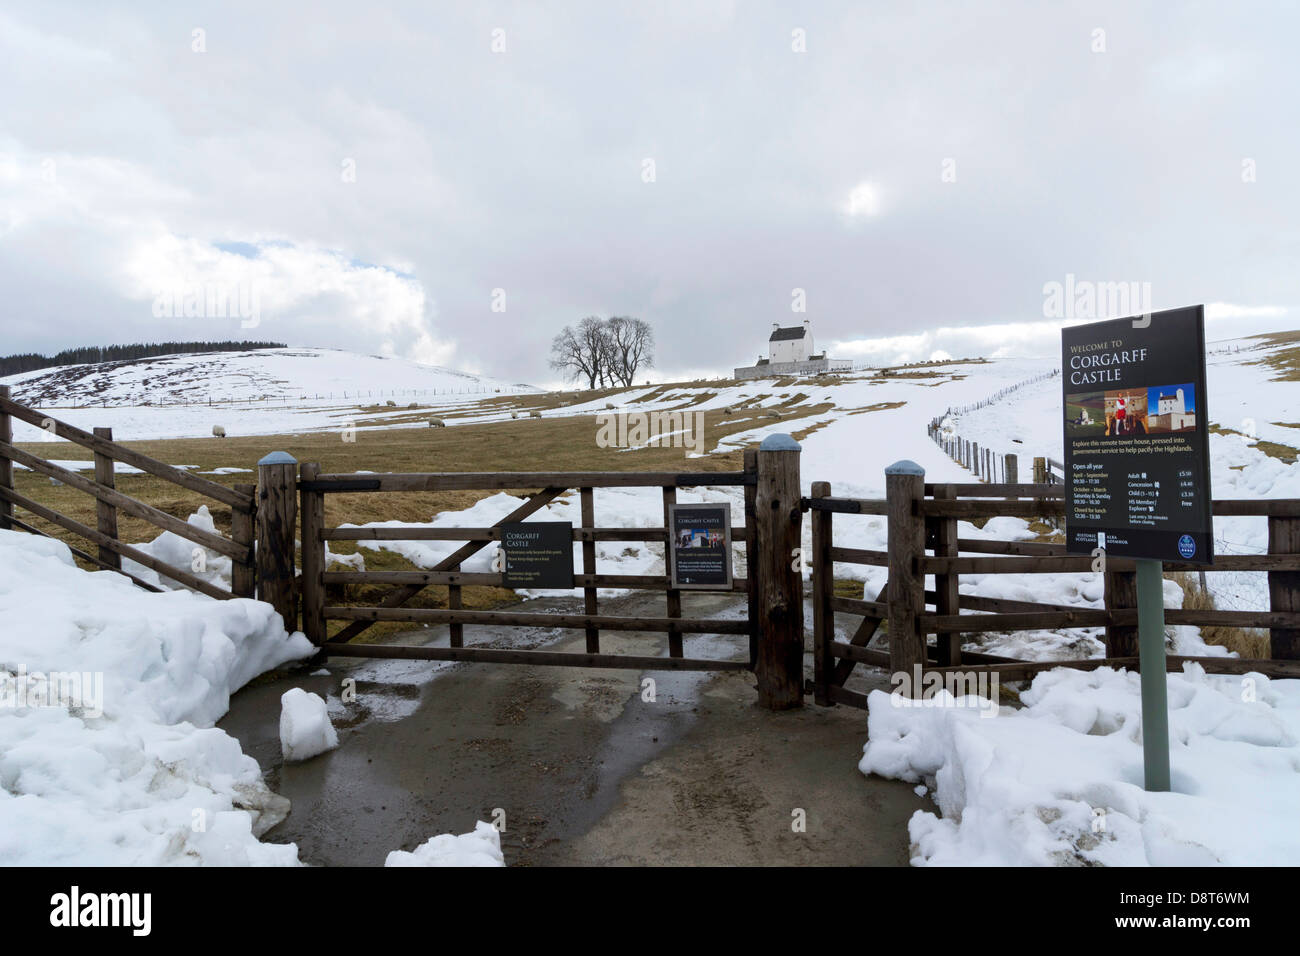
863,201
302,295
1041,338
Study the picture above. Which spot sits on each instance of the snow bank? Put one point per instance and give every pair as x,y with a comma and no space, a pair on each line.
480,848
1059,782
305,728
184,554
122,766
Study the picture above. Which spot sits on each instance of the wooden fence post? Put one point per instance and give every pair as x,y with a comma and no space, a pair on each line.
277,517
589,605
975,458
750,459
1284,586
1121,592
674,597
904,489
1040,471
105,512
243,577
778,527
946,586
1011,469
313,558
6,466
823,581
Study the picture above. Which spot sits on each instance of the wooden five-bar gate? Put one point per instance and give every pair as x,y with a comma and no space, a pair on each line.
923,538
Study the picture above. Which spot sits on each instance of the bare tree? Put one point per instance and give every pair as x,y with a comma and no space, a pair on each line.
604,351
581,352
630,345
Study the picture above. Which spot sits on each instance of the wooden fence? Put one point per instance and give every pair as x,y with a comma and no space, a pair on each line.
983,462
923,539
774,623
924,518
110,549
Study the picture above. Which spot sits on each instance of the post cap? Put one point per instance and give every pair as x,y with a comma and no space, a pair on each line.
905,467
279,458
779,442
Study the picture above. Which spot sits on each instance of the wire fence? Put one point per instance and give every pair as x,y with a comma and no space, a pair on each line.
986,463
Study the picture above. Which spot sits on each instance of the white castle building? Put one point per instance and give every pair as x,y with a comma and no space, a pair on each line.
1171,413
790,352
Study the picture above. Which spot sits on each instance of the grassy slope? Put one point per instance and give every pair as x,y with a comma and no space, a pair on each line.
547,444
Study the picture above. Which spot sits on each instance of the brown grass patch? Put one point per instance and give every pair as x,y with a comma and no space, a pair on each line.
1283,453
1285,363
1250,643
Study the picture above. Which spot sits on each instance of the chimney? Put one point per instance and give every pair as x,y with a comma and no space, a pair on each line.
775,326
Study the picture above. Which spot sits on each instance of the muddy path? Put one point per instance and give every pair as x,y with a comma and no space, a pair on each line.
584,767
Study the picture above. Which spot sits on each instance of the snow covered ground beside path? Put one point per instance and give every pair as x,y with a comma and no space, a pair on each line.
1059,782
108,696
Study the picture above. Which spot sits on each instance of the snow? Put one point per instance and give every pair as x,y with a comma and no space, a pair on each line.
182,553
133,773
1059,782
77,464
1022,788
305,728
261,392
479,848
616,507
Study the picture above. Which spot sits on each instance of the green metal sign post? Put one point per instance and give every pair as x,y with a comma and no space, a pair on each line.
1155,692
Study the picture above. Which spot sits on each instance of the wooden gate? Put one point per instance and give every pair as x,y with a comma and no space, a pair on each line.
924,518
773,589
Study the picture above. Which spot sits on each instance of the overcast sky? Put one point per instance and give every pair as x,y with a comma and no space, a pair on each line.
455,182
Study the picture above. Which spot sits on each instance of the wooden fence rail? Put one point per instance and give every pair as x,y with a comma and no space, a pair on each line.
926,627
109,501
924,517
770,483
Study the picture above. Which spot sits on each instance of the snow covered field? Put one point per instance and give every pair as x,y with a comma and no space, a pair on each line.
1028,787
262,392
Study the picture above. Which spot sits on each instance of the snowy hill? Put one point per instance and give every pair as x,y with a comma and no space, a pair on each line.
264,375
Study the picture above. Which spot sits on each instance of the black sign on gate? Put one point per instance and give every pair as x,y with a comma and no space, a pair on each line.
1137,466
538,554
701,545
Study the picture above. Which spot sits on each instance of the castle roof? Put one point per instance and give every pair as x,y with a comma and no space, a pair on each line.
783,335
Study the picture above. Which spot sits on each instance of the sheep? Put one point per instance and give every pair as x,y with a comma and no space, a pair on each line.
437,423
514,414
729,410
609,406
218,431
390,403
534,414
772,414
413,405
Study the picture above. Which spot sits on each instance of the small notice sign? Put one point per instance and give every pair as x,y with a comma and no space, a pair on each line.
538,554
701,546
1137,468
